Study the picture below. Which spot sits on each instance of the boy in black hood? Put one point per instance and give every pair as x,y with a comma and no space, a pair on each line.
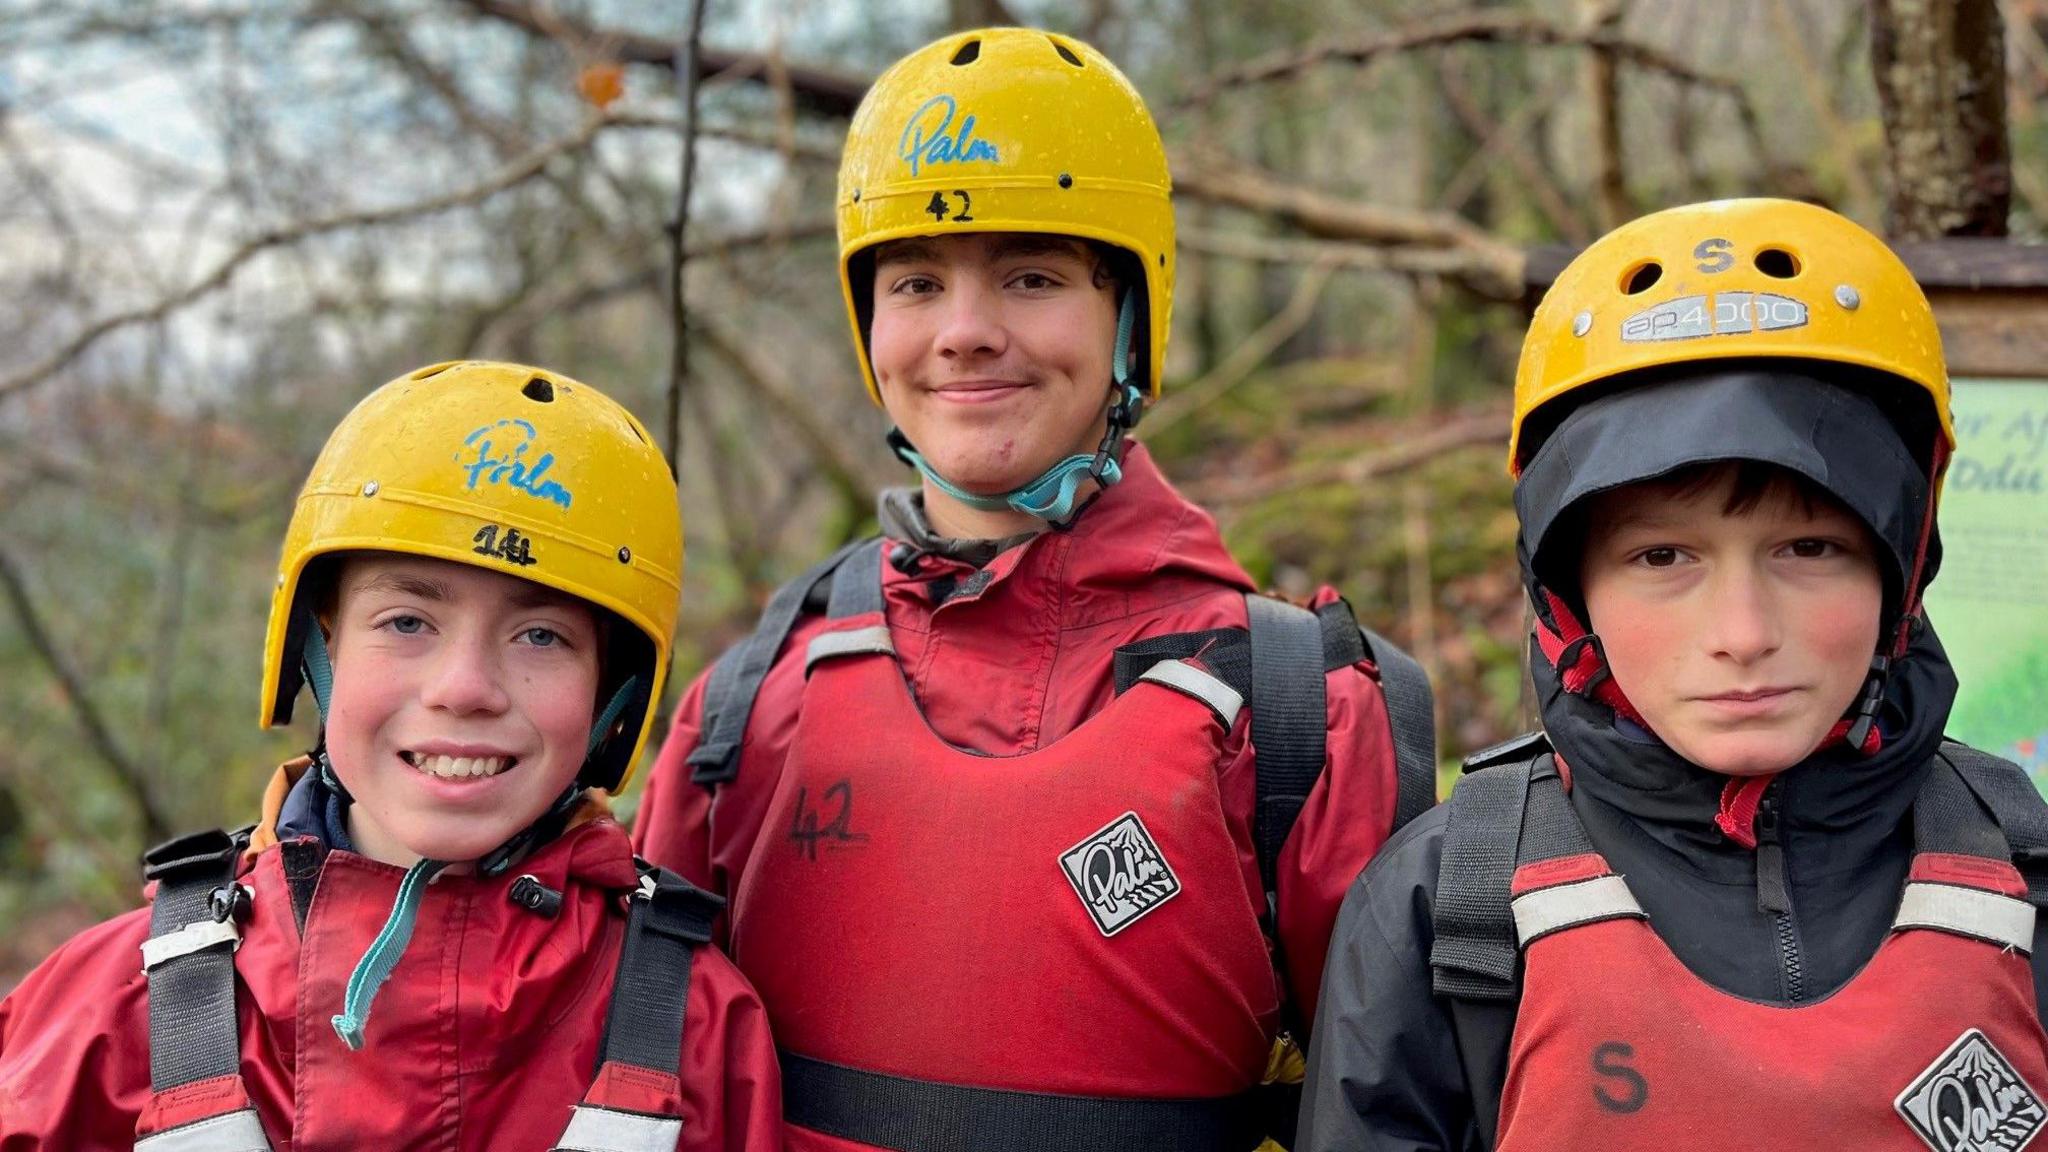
1731,425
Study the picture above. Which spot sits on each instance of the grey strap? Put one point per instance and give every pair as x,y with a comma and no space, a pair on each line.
240,1131
1546,910
1475,950
1411,713
857,584
607,1130
192,1032
852,642
735,680
1969,912
1189,680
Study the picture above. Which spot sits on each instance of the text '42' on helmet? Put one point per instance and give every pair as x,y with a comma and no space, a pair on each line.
512,469
1006,130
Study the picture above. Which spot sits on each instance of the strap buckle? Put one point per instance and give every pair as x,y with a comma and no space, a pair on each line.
200,853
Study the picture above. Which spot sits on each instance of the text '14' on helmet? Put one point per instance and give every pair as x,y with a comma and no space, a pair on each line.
516,470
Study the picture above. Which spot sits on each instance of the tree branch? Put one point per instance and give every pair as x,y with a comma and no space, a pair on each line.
1185,401
1468,431
511,176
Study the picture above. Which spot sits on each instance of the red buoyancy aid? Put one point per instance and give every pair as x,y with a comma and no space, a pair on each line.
1935,1043
1068,926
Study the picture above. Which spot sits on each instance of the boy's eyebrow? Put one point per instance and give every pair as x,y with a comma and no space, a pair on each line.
407,584
531,595
906,252
1039,244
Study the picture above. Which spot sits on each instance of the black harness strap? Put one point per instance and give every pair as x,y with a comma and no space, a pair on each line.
735,679
2006,792
857,582
1411,708
667,920
1290,729
927,1116
192,1029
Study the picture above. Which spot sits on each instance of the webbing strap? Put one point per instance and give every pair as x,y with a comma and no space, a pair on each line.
735,680
908,1115
1289,720
666,921
1546,910
238,1131
1474,953
594,1129
857,583
854,642
1188,680
1411,713
192,1032
1948,818
2005,789
1970,912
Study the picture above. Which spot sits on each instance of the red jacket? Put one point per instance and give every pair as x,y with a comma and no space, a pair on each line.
484,1037
1016,657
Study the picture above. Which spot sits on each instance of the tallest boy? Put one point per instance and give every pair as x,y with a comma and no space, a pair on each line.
985,800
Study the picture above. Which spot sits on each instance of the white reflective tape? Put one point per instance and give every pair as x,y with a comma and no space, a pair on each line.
1189,680
858,641
603,1130
235,1132
1546,910
189,939
1970,912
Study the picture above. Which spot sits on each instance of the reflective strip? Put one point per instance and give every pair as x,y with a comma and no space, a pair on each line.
235,1132
858,641
1971,912
1546,910
193,937
1189,680
593,1129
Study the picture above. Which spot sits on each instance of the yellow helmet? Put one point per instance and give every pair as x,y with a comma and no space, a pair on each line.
514,469
1727,279
1006,130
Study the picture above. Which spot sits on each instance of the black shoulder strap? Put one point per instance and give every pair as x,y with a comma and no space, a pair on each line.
735,679
1411,706
1474,962
2015,803
190,958
667,919
1290,726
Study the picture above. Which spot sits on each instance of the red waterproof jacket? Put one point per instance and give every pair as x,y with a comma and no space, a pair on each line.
484,1037
1014,656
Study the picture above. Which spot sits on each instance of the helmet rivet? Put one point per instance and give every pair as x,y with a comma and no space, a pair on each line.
1582,323
1066,180
1847,297
625,555
369,487
856,195
280,579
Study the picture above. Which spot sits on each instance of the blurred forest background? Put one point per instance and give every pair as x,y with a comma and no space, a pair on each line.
222,222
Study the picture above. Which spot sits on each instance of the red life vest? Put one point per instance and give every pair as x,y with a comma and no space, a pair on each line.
1049,944
1935,1043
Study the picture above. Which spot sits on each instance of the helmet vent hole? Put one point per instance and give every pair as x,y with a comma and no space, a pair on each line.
1640,278
1066,53
1777,263
539,390
968,53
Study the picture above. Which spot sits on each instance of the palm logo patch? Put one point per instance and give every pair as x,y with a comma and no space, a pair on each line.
1972,1100
1119,874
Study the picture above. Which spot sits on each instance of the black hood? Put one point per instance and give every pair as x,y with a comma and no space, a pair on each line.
1775,412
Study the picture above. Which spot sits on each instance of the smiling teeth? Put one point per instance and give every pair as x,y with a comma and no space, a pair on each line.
451,767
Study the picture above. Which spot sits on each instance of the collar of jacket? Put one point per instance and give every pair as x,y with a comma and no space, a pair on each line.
1836,808
1141,543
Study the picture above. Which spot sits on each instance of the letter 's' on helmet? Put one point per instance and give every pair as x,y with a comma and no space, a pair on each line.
514,469
1006,130
1730,279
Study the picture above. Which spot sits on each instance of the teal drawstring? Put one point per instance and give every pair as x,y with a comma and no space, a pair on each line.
1052,495
376,965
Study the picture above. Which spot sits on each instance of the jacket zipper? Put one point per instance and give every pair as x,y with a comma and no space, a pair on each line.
1774,895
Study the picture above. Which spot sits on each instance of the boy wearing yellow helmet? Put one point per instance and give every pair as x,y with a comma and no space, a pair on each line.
1035,831
1739,892
478,585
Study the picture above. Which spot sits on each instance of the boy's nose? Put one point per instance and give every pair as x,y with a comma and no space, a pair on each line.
464,680
971,325
1743,617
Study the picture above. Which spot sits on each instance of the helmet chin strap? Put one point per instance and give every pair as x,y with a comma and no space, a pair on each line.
1052,496
377,963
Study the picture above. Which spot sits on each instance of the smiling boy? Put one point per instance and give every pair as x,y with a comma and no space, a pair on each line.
1739,892
484,648
1033,822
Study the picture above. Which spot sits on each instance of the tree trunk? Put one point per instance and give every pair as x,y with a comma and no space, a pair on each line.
1940,72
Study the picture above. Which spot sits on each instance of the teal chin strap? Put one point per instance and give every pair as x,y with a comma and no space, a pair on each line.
1051,497
376,965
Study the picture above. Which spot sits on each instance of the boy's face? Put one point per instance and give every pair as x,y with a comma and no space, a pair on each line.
992,352
462,703
1741,637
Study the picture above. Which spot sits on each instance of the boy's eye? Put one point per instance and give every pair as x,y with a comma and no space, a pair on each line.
541,637
1811,549
915,286
1659,557
406,625
1035,281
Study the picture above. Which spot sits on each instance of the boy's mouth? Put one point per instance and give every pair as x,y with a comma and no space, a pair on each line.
457,767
